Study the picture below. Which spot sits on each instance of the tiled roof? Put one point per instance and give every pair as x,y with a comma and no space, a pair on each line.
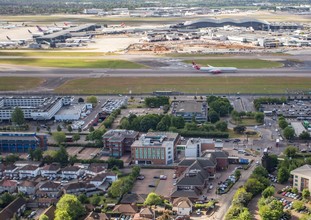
8,183
28,168
125,209
133,198
9,211
51,167
50,185
96,216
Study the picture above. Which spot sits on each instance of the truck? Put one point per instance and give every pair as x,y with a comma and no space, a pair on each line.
277,142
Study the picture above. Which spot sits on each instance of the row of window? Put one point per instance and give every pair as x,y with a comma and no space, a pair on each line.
150,153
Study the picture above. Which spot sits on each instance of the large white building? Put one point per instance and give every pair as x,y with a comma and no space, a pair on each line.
302,177
36,108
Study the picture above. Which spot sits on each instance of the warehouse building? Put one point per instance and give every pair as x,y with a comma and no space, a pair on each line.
190,109
18,142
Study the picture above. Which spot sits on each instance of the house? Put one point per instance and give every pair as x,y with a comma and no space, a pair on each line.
8,186
145,214
96,168
78,188
96,216
133,198
50,212
50,189
46,202
27,187
183,206
51,170
205,163
119,141
22,163
11,171
220,158
71,172
155,148
16,207
2,168
125,209
302,177
101,178
29,171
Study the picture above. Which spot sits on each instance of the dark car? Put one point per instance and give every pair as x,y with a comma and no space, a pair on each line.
151,185
156,177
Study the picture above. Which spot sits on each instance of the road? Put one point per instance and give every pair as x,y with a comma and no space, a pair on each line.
46,72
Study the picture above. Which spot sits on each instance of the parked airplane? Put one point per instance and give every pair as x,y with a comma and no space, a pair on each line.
7,43
79,40
49,30
214,69
37,34
18,41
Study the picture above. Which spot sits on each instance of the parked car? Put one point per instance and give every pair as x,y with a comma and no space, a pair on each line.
163,177
140,177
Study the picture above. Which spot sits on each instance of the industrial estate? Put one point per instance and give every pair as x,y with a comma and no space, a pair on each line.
155,110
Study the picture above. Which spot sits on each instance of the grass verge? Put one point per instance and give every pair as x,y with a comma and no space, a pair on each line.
19,83
47,53
238,63
74,63
210,85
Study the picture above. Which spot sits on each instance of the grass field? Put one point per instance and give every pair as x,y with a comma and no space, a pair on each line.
74,63
19,83
51,54
238,63
221,84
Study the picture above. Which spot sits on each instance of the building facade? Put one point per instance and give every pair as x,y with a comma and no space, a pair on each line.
190,110
302,177
155,148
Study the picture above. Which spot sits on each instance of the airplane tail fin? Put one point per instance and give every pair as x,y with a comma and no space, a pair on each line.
65,23
55,24
8,38
29,32
195,66
209,65
40,29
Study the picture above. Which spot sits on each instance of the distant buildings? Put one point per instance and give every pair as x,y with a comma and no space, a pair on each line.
155,148
119,141
18,142
190,110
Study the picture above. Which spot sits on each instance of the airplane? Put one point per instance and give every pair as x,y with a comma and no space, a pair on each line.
79,40
49,30
7,43
213,69
18,41
34,35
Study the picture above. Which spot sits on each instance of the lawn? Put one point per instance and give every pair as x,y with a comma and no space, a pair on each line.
238,63
19,83
219,85
247,122
74,63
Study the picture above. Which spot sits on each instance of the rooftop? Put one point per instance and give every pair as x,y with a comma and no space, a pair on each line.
304,170
188,106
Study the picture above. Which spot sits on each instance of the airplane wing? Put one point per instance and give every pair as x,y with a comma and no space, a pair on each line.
215,71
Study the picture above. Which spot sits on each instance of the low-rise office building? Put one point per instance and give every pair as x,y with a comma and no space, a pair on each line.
119,141
189,110
302,177
156,148
18,142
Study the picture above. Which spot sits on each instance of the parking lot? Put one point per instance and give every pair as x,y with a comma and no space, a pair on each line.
162,187
88,153
72,151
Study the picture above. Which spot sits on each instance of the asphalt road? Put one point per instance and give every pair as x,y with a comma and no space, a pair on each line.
165,72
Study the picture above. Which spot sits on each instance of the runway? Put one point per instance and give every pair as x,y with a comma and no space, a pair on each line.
156,72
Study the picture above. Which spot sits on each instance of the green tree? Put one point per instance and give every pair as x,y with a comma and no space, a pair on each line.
295,190
221,126
37,154
260,171
153,199
69,128
298,205
161,126
254,186
59,137
271,211
83,198
304,135
305,194
91,129
43,217
241,197
245,215
48,129
95,200
283,175
6,199
62,155
79,130
69,207
59,128
178,122
289,133
290,151
38,129
76,137
213,116
269,191
237,174
283,123
92,100
17,116
259,117
240,129
11,158
115,190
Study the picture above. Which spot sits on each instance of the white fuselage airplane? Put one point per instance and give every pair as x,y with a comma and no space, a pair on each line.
214,69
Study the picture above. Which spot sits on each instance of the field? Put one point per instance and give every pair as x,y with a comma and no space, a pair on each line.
49,53
19,83
74,63
238,63
218,84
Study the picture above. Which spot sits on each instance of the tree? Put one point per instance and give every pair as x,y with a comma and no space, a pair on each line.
95,200
92,100
43,217
298,205
259,117
260,171
153,199
115,190
11,158
83,198
213,116
59,128
91,129
269,191
240,129
295,190
37,154
221,126
76,137
290,151
283,175
62,155
304,135
69,128
48,129
79,130
289,133
272,210
80,100
6,199
283,123
178,122
69,207
254,186
17,116
38,129
59,137
305,194
237,174
241,197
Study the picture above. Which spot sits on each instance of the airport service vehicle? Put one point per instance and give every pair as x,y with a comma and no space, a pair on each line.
214,69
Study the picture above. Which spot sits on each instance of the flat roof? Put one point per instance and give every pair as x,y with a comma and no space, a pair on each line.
298,127
188,106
